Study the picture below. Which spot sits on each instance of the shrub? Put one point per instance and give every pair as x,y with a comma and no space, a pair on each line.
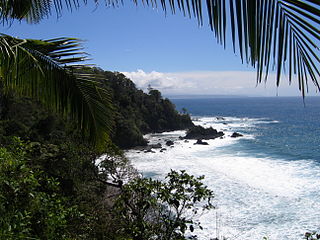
30,203
151,209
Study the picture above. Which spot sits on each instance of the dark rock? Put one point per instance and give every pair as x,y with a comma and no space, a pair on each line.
225,123
169,142
158,145
186,141
198,132
163,149
181,138
220,118
200,142
148,148
141,148
149,151
235,135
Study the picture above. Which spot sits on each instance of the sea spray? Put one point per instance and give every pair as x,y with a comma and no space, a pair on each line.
256,196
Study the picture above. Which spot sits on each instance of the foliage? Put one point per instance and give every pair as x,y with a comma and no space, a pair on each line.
47,71
139,113
151,209
279,35
31,205
311,236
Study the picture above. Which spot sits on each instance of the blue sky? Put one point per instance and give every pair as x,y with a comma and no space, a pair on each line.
170,52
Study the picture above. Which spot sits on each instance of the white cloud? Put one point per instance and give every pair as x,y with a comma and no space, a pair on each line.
158,80
209,82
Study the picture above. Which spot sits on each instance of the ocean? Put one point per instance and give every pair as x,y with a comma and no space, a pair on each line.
266,183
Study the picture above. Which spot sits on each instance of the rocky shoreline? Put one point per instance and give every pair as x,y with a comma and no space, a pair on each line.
197,133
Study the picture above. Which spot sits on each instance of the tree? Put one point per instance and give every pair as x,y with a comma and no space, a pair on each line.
31,203
151,209
269,34
48,71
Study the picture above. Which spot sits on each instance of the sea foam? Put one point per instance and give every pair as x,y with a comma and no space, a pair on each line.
255,197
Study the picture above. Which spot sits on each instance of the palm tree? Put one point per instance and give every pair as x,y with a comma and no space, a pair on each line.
279,35
48,71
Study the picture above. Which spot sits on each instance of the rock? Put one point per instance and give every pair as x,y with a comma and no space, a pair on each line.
200,142
158,145
225,123
221,137
198,132
235,135
169,142
149,151
141,148
186,141
220,118
181,138
163,149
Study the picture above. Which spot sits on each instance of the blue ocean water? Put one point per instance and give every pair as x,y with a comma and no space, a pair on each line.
293,132
266,183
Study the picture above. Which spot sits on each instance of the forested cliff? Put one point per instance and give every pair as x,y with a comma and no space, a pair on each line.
138,113
135,113
51,184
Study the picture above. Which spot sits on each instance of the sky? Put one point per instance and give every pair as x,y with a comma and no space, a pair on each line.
169,52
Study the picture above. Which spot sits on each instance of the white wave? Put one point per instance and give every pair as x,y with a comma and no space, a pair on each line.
256,197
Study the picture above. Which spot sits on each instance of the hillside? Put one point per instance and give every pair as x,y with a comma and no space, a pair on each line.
51,185
135,113
138,113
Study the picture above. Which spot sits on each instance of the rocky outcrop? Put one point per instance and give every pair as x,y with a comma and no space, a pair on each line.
200,142
198,132
220,118
235,135
149,148
169,142
156,146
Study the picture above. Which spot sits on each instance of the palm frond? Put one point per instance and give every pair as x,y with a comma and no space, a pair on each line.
47,70
271,35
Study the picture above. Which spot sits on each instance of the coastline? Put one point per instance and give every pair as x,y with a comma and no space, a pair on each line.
255,196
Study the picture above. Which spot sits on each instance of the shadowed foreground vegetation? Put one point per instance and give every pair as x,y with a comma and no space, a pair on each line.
52,187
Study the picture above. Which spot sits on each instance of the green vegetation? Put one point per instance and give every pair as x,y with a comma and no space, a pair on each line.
50,186
30,201
49,71
280,35
311,236
150,209
51,193
138,113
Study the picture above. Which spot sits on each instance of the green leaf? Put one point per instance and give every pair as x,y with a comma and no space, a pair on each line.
46,70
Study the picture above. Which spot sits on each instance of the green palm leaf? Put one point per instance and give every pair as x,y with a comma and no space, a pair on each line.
47,70
271,35
279,35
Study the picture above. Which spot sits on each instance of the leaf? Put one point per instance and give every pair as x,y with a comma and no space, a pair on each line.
45,70
265,32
